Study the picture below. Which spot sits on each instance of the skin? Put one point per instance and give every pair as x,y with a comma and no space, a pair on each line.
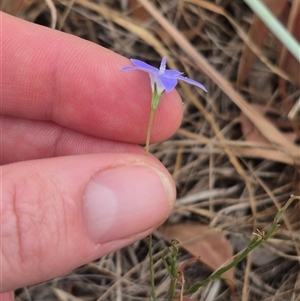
70,119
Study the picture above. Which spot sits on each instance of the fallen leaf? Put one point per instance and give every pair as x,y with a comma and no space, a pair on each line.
251,133
288,62
257,32
208,244
139,14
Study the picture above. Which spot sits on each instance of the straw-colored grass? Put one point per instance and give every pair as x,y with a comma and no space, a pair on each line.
224,179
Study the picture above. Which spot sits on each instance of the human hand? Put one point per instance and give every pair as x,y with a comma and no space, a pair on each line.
75,183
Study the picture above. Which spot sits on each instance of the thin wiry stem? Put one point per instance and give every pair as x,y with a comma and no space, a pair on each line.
260,238
153,293
149,130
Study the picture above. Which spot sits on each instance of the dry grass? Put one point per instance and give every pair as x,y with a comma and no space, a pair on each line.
224,179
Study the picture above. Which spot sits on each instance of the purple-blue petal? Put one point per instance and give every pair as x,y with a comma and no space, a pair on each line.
144,66
129,68
172,73
165,79
139,69
168,82
191,82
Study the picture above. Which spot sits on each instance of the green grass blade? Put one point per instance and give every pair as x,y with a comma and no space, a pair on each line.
281,33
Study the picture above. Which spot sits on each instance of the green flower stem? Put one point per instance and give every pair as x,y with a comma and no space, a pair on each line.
153,292
154,104
281,33
152,112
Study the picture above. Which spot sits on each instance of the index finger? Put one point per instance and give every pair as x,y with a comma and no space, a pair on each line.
50,75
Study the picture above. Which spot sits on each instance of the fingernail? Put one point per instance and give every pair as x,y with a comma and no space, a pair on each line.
126,200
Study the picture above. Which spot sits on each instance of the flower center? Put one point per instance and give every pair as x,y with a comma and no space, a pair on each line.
162,67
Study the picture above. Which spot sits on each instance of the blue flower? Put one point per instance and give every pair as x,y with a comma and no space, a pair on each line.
162,79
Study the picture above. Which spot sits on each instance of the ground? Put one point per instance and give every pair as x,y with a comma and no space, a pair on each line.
235,158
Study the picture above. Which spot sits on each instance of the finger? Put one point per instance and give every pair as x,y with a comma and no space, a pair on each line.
24,139
50,75
60,213
7,296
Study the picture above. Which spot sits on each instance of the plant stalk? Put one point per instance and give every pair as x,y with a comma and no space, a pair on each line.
149,130
153,293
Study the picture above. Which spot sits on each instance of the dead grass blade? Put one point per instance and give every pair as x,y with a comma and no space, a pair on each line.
277,139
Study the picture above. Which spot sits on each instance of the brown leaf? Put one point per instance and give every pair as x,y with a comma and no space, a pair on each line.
251,133
139,14
201,241
257,32
288,62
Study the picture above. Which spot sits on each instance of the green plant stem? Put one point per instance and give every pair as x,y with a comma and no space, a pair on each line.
281,33
152,112
172,288
169,259
254,243
153,293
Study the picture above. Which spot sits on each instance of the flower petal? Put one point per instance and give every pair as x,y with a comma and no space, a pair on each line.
162,79
130,68
156,84
144,66
172,73
191,82
169,83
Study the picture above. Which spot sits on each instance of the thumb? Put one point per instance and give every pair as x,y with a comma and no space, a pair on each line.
60,213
